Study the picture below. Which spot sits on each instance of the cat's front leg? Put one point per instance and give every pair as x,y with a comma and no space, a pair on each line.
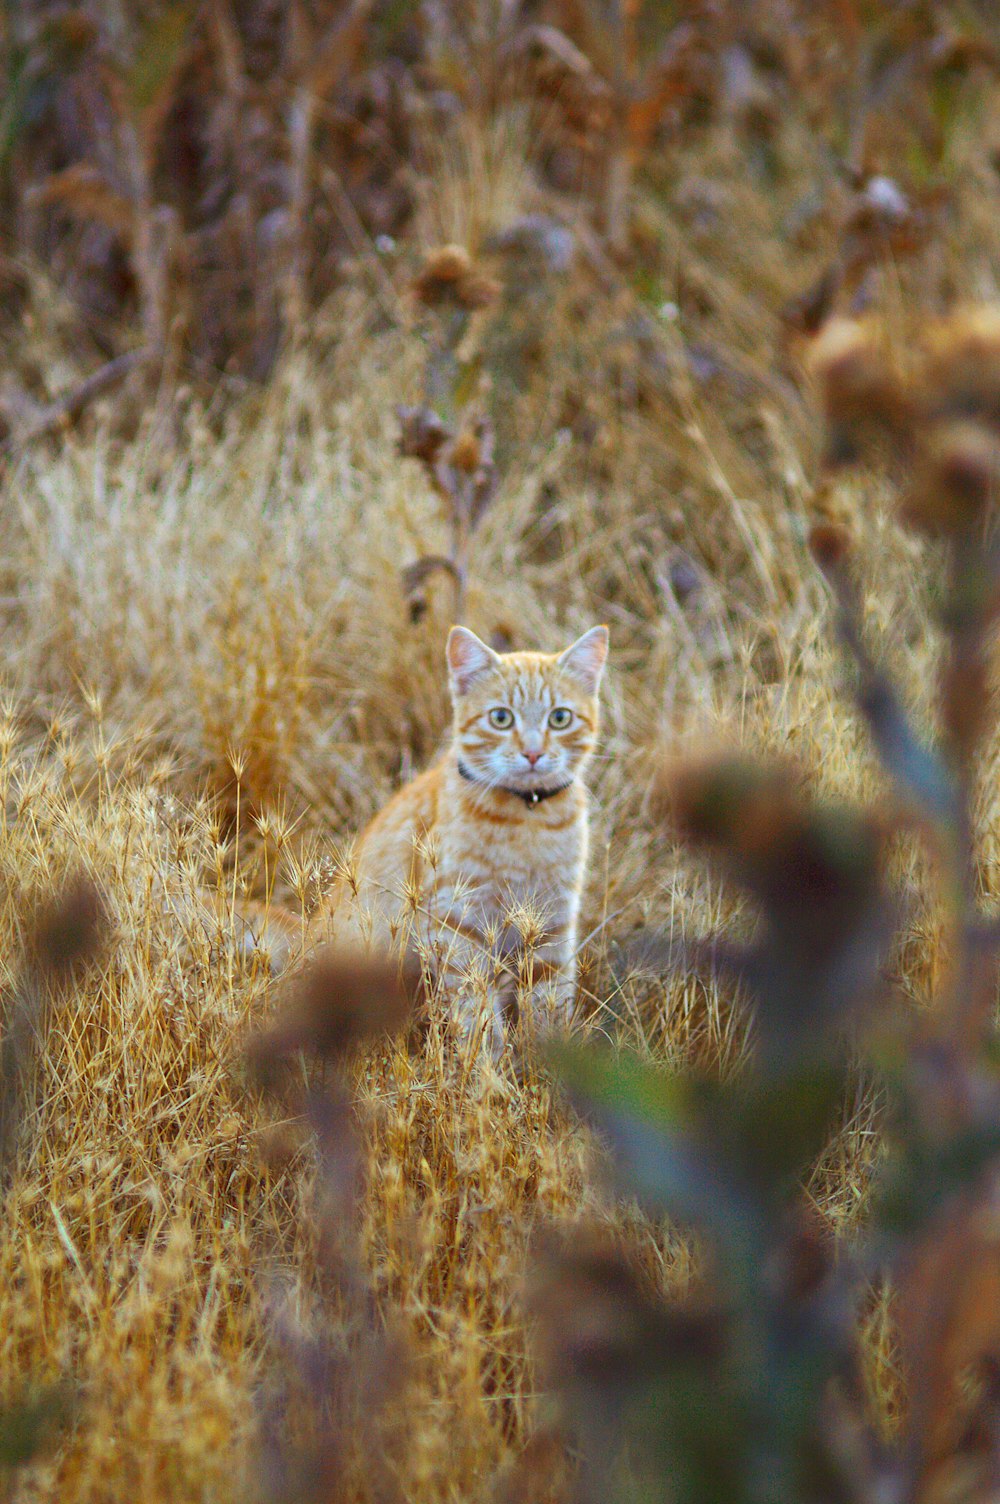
471,971
547,988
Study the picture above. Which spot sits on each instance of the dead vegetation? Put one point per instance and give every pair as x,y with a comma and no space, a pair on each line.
224,601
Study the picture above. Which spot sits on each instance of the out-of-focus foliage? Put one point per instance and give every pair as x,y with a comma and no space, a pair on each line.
753,1388
64,936
333,1406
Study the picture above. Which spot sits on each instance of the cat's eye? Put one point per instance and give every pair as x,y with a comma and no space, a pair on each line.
501,718
560,718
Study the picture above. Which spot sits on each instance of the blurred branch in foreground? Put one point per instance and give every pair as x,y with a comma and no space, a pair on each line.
66,934
331,1407
753,1388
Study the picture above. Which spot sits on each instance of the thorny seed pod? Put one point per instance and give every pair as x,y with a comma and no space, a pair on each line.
863,396
70,927
801,1261
339,1001
731,801
449,275
597,1327
422,434
961,374
957,479
466,452
817,859
478,290
830,544
444,267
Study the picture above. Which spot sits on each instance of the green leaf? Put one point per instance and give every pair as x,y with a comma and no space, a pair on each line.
466,382
13,110
777,1127
27,1426
922,1178
657,1126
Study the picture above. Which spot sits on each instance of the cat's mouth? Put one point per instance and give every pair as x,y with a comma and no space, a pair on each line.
538,777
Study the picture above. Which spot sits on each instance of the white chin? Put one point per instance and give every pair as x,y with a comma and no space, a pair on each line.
533,778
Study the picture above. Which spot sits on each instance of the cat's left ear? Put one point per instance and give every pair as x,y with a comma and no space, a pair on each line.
585,658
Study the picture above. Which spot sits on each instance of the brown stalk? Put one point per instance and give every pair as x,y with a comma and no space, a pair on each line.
332,57
389,299
65,410
619,180
462,471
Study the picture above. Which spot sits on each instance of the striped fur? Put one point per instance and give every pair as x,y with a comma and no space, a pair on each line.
461,861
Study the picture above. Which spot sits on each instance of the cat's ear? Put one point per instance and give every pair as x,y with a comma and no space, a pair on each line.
468,659
585,658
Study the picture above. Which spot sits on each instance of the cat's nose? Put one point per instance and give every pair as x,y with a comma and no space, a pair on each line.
532,757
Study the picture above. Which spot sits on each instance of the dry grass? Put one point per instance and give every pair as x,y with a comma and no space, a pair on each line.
212,679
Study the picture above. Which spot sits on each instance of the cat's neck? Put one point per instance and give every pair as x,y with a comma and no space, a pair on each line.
530,799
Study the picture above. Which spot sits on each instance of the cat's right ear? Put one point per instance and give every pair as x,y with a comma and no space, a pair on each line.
468,659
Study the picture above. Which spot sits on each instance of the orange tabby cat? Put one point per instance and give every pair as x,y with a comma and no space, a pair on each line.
481,859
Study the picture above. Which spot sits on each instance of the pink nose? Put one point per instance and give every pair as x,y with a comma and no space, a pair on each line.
532,757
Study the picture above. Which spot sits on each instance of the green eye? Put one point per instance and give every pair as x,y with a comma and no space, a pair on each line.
560,718
501,718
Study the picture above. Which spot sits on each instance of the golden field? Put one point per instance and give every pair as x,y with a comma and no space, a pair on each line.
211,678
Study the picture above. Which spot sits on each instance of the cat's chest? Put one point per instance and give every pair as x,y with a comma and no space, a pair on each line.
505,863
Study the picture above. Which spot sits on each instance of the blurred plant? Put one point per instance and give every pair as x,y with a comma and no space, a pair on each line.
330,1408
726,1396
753,1388
27,1427
627,89
64,935
172,155
456,453
117,189
905,83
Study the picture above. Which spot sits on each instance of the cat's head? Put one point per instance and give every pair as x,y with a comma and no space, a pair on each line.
525,720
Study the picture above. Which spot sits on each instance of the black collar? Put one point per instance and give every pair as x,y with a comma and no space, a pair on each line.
530,797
